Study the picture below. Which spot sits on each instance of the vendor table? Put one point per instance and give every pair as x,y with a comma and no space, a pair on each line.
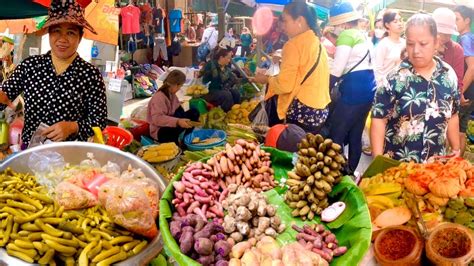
187,57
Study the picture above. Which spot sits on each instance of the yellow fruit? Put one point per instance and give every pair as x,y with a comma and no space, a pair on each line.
382,188
382,200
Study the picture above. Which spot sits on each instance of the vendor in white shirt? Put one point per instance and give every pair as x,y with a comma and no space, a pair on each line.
211,35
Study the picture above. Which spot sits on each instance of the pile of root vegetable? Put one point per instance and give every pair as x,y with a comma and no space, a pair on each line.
223,217
36,229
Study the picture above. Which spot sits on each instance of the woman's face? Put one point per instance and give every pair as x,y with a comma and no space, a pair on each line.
421,46
291,27
395,26
64,39
175,88
225,60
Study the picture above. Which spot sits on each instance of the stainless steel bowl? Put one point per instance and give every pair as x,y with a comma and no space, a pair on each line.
74,153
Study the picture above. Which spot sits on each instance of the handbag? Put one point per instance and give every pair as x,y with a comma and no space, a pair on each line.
334,92
269,106
204,49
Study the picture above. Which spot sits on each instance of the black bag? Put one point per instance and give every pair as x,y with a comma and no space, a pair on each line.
334,91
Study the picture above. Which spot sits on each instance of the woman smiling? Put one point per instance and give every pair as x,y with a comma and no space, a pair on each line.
60,88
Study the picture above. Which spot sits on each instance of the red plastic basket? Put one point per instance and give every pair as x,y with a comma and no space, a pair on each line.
117,137
142,129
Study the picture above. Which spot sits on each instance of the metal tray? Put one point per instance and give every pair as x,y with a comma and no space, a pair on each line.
74,153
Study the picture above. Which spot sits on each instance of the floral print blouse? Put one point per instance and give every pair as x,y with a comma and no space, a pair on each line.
418,111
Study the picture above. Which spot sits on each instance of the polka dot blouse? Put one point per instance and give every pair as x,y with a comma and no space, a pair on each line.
78,95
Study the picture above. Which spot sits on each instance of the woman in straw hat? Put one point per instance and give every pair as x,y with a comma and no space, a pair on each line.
60,89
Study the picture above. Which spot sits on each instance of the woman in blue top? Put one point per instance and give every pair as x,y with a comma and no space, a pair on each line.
353,64
417,107
246,41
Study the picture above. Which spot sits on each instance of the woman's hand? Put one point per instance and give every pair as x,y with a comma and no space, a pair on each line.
260,78
61,130
184,123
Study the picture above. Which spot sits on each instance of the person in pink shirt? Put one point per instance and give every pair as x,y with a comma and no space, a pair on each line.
166,117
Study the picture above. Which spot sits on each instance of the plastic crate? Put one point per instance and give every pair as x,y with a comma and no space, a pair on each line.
380,164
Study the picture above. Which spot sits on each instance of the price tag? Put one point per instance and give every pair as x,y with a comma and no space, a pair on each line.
115,85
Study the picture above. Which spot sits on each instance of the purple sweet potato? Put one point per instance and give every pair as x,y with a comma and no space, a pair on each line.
222,248
203,246
175,229
204,233
186,242
206,260
222,263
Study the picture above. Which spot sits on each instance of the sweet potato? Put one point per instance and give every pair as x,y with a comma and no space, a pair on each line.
222,263
234,262
175,229
203,246
239,249
206,260
222,248
186,242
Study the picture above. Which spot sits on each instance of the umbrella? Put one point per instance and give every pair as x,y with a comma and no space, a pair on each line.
101,14
16,26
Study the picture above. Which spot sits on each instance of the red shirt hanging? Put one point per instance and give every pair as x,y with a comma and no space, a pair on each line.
130,19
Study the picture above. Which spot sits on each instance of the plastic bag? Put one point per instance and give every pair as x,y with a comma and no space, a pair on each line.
38,138
48,168
73,197
149,187
111,169
127,205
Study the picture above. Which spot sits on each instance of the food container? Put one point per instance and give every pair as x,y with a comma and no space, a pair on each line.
450,244
74,153
398,245
204,134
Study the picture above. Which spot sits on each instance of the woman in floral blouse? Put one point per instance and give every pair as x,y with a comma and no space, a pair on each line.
416,109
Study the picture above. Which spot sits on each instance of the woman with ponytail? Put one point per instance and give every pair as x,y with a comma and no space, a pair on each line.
301,89
166,117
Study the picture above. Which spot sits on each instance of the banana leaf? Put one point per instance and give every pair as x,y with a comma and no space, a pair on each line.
352,229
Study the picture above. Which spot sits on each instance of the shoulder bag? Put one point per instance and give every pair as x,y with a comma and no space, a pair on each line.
269,106
204,49
334,91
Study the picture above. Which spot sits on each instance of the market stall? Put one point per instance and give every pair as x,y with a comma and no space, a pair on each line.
47,219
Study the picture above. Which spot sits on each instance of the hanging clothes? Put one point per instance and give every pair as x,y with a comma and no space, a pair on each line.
175,17
158,16
130,19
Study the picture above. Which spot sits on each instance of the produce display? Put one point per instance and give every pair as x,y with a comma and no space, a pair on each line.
236,131
159,153
197,90
35,228
319,240
194,156
201,240
267,251
252,216
316,172
440,190
244,164
199,192
460,211
214,119
249,215
240,112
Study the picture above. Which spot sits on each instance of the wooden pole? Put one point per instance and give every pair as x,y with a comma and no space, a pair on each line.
221,19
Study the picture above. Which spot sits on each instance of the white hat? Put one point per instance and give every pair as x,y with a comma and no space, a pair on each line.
445,21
